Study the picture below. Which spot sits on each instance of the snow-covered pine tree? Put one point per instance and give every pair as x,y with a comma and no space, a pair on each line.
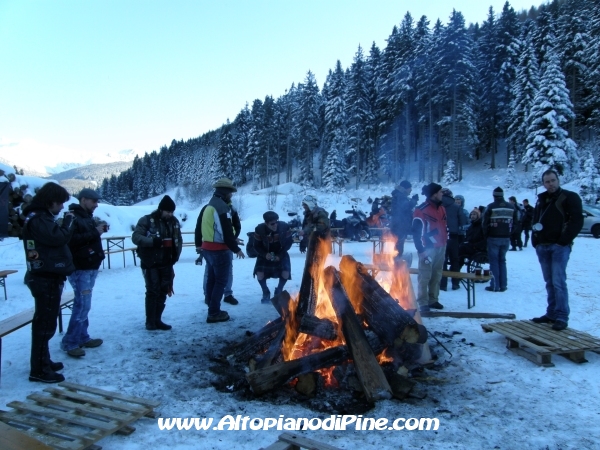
308,128
510,181
590,180
524,90
449,176
548,144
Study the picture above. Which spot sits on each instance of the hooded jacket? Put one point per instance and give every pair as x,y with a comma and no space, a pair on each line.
85,244
45,243
402,212
463,229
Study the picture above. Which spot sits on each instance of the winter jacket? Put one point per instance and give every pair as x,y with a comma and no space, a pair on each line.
463,230
429,227
153,226
85,244
475,237
235,221
277,242
527,217
316,220
499,219
45,242
214,228
561,216
402,212
456,220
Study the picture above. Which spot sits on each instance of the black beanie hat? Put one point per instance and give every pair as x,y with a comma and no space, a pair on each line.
166,204
270,216
406,184
498,192
430,189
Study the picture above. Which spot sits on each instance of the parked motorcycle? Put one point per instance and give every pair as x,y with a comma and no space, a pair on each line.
353,227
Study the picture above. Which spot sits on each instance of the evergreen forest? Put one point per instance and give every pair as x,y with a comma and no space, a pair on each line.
437,96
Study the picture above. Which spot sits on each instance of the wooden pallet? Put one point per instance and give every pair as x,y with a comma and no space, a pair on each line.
290,441
73,417
538,341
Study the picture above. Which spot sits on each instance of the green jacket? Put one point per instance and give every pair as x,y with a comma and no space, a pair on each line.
151,226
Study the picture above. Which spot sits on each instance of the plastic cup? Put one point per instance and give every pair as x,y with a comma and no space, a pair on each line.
478,272
167,242
486,272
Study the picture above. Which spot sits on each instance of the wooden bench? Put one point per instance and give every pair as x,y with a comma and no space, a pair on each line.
24,318
3,275
468,280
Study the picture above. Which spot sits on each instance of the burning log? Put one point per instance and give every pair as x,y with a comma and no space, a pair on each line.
272,353
263,380
381,311
323,328
258,342
308,384
369,372
307,300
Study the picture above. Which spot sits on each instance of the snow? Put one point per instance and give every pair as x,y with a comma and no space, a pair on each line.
485,397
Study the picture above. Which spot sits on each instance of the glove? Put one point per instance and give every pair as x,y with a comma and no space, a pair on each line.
156,242
303,246
415,197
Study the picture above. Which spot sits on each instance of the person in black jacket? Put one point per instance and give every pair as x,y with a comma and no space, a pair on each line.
402,213
49,262
86,248
527,220
557,219
498,221
456,221
272,240
158,240
474,239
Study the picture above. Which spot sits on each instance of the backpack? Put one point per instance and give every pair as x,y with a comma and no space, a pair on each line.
250,250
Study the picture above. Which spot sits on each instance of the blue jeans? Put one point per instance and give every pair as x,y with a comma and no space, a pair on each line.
497,248
553,260
77,333
228,288
217,265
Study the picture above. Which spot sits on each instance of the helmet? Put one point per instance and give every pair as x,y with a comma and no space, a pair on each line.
310,201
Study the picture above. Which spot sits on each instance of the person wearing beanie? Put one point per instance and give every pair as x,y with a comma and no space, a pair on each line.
515,235
315,219
158,239
474,242
272,241
429,230
499,220
216,236
402,214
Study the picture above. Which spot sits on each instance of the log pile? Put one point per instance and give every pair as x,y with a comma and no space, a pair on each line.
366,345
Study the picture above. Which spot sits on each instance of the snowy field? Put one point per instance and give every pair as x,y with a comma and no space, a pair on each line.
484,397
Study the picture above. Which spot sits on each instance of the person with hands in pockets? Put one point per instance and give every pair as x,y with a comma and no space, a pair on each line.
430,234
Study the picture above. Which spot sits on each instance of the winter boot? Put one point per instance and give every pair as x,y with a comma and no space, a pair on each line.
160,325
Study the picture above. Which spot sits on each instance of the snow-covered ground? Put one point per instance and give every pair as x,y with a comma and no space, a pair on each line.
485,397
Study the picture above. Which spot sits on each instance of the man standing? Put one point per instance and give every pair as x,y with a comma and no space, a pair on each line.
86,248
527,220
215,236
49,262
272,240
429,229
315,219
456,221
515,235
158,240
498,220
557,219
402,214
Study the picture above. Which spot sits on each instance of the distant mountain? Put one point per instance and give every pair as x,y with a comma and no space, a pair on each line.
74,180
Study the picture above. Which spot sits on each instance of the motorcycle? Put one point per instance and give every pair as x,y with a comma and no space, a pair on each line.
295,225
353,227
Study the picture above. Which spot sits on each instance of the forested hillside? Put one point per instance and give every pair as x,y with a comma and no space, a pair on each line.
438,95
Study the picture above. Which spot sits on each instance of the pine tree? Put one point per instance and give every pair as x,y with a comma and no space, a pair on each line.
548,144
590,180
449,173
511,181
524,89
308,128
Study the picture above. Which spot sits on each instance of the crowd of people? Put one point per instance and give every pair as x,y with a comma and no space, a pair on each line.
445,235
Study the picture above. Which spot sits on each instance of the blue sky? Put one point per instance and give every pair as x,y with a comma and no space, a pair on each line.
97,77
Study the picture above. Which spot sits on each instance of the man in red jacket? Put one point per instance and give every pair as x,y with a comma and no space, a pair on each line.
430,235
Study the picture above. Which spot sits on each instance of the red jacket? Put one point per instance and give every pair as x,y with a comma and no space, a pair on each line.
429,227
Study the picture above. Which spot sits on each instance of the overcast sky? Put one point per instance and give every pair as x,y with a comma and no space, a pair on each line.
82,77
